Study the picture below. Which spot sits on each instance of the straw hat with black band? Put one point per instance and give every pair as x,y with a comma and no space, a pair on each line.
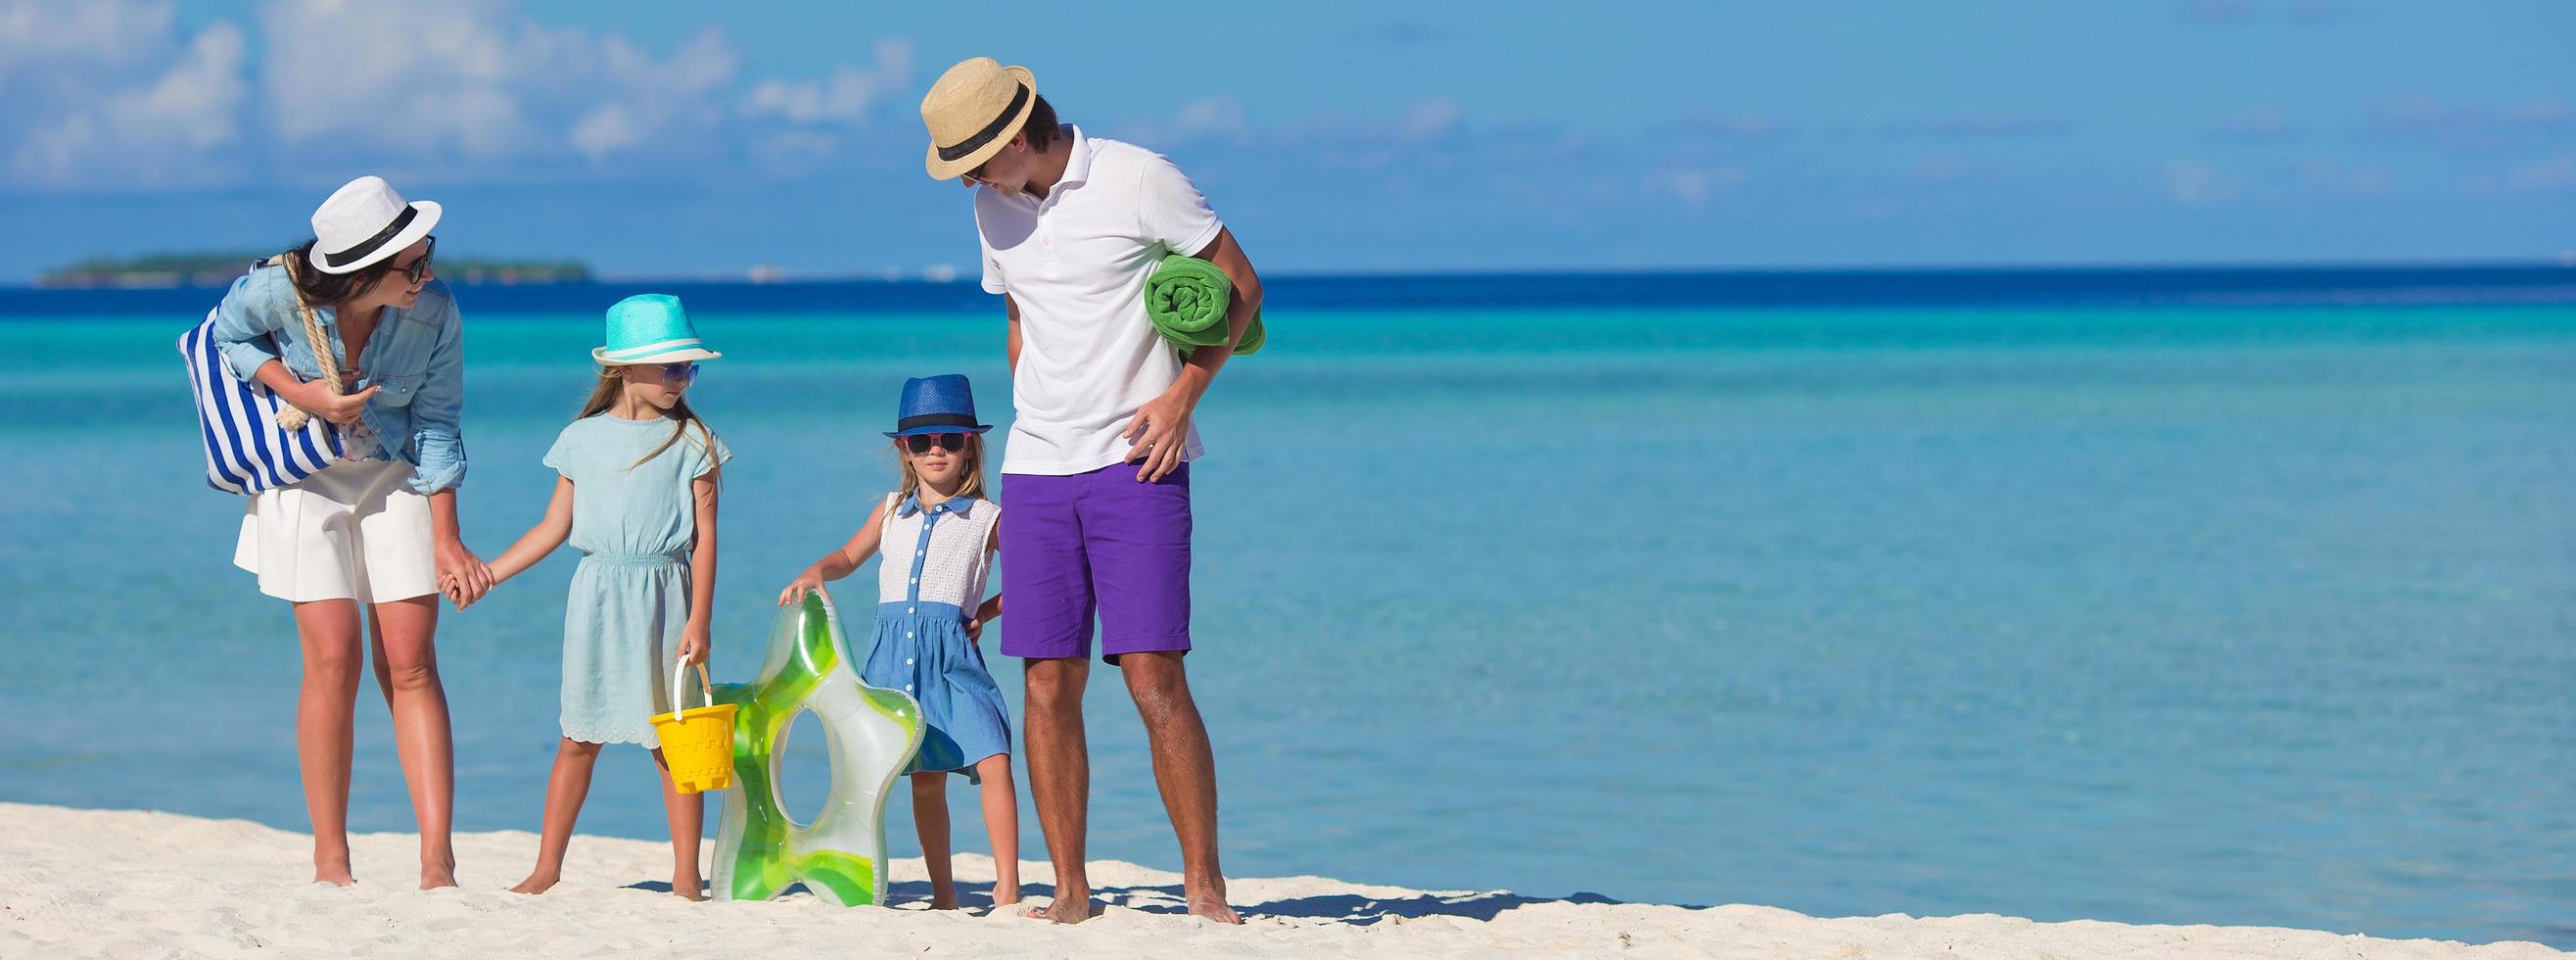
973,111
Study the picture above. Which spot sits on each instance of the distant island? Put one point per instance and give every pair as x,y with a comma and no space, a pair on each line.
218,269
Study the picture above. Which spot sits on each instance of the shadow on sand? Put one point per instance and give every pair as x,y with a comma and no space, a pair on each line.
1343,908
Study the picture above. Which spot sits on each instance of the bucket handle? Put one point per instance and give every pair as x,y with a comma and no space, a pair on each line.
679,675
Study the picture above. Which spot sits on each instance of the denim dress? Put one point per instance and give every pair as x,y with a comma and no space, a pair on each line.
931,577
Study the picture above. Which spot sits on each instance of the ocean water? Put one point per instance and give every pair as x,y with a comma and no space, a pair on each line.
2226,615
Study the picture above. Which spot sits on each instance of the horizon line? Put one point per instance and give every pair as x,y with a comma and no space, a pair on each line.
764,276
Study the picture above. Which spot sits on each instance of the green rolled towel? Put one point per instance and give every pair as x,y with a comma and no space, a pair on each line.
1186,298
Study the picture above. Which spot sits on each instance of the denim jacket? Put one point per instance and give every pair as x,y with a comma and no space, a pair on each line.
415,355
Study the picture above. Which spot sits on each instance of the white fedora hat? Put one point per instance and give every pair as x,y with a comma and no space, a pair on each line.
972,112
364,222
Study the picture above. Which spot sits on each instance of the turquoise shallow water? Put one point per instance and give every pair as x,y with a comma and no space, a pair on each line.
2255,616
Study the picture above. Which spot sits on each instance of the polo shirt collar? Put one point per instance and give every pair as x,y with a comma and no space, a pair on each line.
960,506
1077,165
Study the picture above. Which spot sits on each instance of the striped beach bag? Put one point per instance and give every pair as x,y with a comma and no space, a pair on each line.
246,451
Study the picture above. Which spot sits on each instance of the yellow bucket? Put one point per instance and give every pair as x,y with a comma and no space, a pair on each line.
697,744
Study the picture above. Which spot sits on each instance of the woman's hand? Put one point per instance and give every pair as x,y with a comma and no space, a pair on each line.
465,571
454,592
340,408
809,580
695,643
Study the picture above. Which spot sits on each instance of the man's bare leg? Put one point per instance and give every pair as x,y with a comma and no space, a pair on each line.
1184,770
1060,778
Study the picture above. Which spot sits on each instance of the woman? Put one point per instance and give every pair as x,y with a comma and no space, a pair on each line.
376,529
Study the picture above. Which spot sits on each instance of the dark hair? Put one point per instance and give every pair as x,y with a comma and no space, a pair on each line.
321,288
1041,128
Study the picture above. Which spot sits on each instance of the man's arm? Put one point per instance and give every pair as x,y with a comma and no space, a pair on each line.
1162,426
1013,350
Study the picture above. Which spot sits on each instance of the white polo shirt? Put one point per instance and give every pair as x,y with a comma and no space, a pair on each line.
1076,264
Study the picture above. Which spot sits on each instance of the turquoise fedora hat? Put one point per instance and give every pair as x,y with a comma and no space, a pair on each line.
650,328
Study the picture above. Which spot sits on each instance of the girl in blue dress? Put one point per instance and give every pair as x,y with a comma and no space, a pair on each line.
636,494
938,532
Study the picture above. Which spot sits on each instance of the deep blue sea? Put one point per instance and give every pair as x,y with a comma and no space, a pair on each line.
2236,601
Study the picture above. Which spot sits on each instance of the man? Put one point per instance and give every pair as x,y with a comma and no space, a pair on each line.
1095,475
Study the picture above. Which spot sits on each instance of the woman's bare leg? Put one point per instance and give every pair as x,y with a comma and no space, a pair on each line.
328,630
565,790
930,818
688,815
1002,826
405,632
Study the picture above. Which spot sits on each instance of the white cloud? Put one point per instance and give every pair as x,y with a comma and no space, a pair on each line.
2555,173
480,83
110,93
1218,114
2197,183
1426,119
1981,124
2366,181
846,97
1695,187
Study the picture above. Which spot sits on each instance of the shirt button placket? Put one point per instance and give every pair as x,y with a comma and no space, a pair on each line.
920,556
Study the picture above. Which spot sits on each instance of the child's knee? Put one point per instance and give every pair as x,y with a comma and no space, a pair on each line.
929,783
577,749
994,768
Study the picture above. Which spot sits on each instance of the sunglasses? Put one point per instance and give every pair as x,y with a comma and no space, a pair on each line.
921,442
679,374
419,268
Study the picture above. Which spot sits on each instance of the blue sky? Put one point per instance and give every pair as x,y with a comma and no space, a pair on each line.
654,136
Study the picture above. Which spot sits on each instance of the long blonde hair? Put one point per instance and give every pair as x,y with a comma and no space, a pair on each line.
612,381
974,469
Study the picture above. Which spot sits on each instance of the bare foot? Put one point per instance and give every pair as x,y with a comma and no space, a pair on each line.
1210,903
688,888
434,876
1006,896
333,869
1063,909
537,883
943,898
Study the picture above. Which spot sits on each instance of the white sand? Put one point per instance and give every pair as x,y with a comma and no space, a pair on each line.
133,884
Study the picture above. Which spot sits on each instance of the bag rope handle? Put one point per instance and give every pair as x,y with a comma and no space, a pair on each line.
293,417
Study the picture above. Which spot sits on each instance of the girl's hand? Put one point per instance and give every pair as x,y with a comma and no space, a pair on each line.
460,565
795,591
974,629
453,591
695,644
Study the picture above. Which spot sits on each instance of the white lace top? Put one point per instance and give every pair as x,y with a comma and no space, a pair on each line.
948,564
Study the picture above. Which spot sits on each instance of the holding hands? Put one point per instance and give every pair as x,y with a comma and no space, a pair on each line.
462,576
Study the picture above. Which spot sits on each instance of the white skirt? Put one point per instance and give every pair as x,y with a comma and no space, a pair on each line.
355,531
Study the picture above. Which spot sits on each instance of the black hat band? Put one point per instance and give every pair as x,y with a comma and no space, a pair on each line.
369,245
971,144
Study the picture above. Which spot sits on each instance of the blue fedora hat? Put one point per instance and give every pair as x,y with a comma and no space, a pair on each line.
941,404
650,328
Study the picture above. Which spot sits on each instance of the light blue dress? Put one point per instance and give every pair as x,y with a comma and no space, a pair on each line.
634,524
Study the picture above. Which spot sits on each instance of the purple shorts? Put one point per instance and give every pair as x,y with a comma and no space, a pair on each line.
1096,542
